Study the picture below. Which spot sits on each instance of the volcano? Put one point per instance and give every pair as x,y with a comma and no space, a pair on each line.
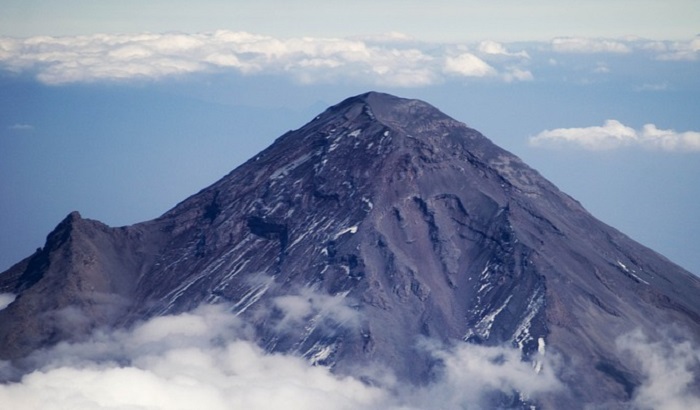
420,225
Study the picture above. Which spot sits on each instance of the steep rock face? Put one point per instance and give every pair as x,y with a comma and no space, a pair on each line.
420,224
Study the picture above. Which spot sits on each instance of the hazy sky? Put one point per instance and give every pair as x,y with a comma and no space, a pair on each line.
122,109
440,20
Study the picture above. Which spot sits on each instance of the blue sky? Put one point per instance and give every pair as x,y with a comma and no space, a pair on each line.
121,109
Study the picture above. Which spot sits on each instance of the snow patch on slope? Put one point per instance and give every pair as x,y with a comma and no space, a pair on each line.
351,230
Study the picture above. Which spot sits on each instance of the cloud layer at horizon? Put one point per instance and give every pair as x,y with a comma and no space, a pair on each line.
389,60
392,60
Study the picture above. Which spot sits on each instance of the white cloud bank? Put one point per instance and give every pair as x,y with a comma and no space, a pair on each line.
613,134
204,359
388,60
392,60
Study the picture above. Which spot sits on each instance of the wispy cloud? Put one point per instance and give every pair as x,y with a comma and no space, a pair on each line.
516,74
653,87
20,127
306,305
6,299
393,60
613,134
601,68
589,45
668,370
687,50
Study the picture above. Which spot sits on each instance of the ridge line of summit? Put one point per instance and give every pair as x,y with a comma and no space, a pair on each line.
410,115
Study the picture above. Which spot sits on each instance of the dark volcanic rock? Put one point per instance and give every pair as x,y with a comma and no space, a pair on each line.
422,224
84,277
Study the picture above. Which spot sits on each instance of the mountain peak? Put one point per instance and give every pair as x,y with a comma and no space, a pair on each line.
414,222
391,110
372,98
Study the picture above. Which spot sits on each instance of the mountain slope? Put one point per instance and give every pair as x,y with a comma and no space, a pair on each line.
392,223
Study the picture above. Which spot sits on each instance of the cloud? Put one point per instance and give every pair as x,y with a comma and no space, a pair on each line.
472,374
493,48
613,134
193,360
668,370
468,65
206,359
601,68
687,50
153,56
517,74
20,127
653,87
390,60
6,299
309,305
588,45
682,51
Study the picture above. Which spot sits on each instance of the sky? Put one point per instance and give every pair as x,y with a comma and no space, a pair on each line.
439,20
122,109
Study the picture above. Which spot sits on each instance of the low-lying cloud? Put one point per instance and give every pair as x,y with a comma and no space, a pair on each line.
308,305
194,360
613,135
207,359
669,370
